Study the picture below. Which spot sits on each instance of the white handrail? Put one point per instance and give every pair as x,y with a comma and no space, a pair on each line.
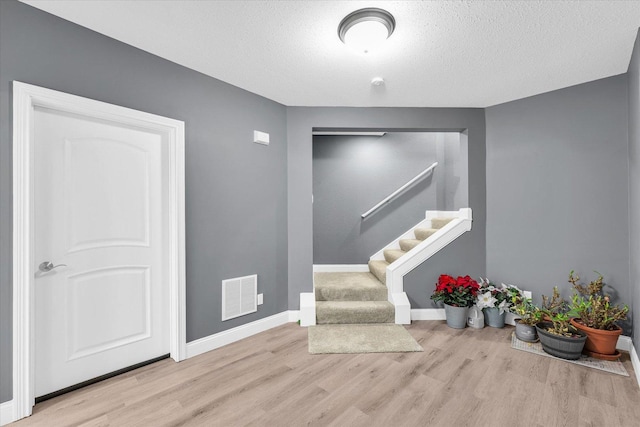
400,190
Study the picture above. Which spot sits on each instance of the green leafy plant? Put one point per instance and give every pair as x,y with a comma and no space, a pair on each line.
555,304
592,306
529,313
561,325
555,309
515,295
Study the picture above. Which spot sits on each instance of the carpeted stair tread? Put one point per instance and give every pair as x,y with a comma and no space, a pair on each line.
348,287
379,269
424,233
440,222
349,312
408,244
390,255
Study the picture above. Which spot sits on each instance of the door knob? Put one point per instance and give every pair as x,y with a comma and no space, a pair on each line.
47,266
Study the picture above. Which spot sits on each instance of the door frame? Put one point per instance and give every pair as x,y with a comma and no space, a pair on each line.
25,98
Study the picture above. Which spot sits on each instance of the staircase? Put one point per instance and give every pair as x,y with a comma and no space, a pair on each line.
351,297
374,293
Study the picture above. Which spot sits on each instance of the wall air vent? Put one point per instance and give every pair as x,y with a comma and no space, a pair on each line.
239,296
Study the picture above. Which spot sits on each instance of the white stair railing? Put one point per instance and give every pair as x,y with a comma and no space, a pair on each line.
396,271
424,250
400,190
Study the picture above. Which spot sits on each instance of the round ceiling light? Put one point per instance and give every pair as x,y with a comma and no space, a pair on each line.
366,28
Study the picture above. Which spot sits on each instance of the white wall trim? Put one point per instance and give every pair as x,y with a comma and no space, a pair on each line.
232,335
624,343
426,249
340,268
294,316
307,313
428,314
25,99
7,414
635,362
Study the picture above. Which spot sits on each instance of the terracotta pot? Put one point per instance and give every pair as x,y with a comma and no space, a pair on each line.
600,343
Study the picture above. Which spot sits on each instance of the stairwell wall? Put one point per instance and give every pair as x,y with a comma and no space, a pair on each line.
634,188
464,256
557,189
353,173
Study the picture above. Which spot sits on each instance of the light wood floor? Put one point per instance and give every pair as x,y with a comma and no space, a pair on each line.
463,378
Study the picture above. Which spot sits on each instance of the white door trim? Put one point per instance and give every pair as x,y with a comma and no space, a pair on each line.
25,98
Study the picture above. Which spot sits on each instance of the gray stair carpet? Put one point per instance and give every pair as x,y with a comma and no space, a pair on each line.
371,338
349,312
408,244
379,267
348,287
352,300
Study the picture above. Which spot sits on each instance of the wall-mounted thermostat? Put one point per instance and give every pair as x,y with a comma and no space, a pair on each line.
261,137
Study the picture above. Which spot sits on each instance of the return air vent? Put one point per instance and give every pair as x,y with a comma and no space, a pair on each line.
239,296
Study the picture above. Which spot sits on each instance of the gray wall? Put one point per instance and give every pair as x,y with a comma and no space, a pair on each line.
236,201
557,188
353,173
464,256
634,186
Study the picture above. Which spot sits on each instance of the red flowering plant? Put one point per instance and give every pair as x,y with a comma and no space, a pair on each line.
460,292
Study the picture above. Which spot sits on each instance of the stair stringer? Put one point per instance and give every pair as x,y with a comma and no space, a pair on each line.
398,269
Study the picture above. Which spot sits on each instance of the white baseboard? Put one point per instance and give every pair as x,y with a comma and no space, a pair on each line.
229,336
6,413
294,316
635,362
428,314
340,268
624,343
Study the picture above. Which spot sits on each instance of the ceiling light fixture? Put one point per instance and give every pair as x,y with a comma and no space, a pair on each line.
366,28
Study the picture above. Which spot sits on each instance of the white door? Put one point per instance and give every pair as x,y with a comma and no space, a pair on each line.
98,211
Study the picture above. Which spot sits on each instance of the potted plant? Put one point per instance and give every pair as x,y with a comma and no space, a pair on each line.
495,301
596,317
457,295
515,297
557,336
528,316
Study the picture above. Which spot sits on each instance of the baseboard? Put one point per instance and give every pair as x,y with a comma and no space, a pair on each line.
624,343
635,362
6,413
428,314
229,336
294,316
340,268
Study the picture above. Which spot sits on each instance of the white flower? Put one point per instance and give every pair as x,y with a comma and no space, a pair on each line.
486,300
504,305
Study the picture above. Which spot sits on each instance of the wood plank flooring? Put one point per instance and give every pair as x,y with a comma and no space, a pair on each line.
464,378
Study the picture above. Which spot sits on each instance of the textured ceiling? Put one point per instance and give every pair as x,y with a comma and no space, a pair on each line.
442,54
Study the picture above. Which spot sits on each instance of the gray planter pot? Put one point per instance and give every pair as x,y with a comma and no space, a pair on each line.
557,345
456,316
493,318
526,333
